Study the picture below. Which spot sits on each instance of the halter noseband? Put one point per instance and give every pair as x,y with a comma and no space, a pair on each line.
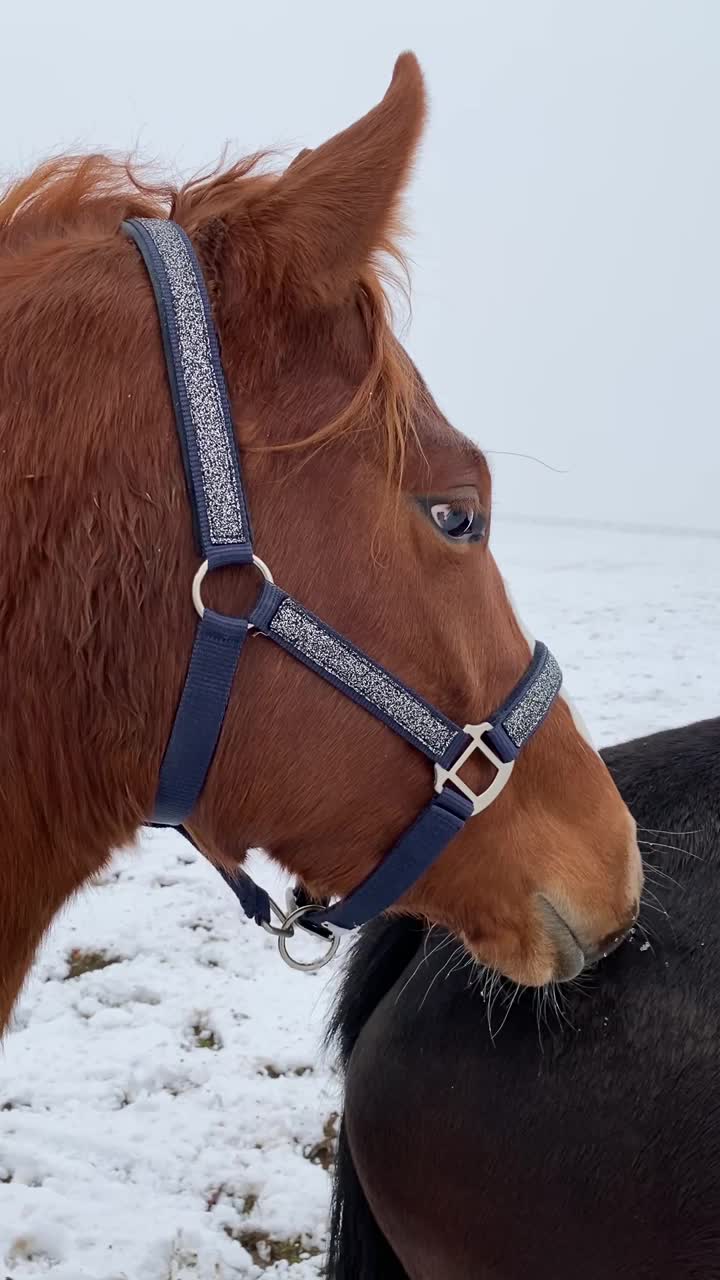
224,537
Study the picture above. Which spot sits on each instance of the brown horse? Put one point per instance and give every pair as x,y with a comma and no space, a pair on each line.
342,446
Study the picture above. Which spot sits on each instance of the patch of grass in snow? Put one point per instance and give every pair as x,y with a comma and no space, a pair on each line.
265,1251
204,1037
213,1198
325,1151
24,1249
276,1074
80,962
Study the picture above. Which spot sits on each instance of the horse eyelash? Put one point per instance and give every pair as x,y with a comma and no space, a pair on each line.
469,502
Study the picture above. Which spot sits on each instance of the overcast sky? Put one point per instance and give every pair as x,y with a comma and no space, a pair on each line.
566,207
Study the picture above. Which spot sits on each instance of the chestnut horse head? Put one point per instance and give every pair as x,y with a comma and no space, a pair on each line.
367,504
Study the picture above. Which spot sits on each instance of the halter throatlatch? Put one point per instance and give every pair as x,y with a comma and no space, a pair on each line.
224,537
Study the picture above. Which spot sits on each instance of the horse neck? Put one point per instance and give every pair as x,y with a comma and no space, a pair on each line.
94,650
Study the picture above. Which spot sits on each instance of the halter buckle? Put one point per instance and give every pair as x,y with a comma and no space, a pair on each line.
503,769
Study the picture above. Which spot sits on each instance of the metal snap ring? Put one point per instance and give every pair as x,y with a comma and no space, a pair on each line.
283,930
201,574
304,966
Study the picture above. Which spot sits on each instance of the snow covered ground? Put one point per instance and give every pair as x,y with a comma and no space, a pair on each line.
166,1112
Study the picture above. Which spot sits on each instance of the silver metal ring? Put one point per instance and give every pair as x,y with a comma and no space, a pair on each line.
309,965
201,574
284,930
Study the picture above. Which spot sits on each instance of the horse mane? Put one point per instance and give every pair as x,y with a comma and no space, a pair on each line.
76,194
85,198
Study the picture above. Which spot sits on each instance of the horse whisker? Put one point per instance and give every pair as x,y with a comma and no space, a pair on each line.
424,960
673,848
649,867
655,831
460,948
510,1003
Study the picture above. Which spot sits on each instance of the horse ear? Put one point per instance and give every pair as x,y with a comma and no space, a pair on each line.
336,204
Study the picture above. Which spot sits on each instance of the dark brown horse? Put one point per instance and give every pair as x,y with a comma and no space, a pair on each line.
496,1139
339,438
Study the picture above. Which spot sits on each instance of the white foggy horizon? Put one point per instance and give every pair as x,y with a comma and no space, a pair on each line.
565,207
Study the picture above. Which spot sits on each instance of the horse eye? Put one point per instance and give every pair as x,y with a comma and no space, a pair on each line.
461,523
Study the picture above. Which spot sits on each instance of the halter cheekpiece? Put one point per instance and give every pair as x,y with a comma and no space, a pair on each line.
224,537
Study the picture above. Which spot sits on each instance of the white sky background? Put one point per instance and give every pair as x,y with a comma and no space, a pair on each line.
566,205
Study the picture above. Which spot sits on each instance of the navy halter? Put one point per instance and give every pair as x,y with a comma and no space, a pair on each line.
224,537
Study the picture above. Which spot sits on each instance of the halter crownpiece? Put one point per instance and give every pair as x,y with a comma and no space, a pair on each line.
224,537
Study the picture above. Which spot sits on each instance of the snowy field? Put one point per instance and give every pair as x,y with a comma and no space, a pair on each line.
166,1112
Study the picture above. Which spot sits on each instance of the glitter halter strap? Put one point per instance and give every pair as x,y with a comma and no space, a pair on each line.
224,537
